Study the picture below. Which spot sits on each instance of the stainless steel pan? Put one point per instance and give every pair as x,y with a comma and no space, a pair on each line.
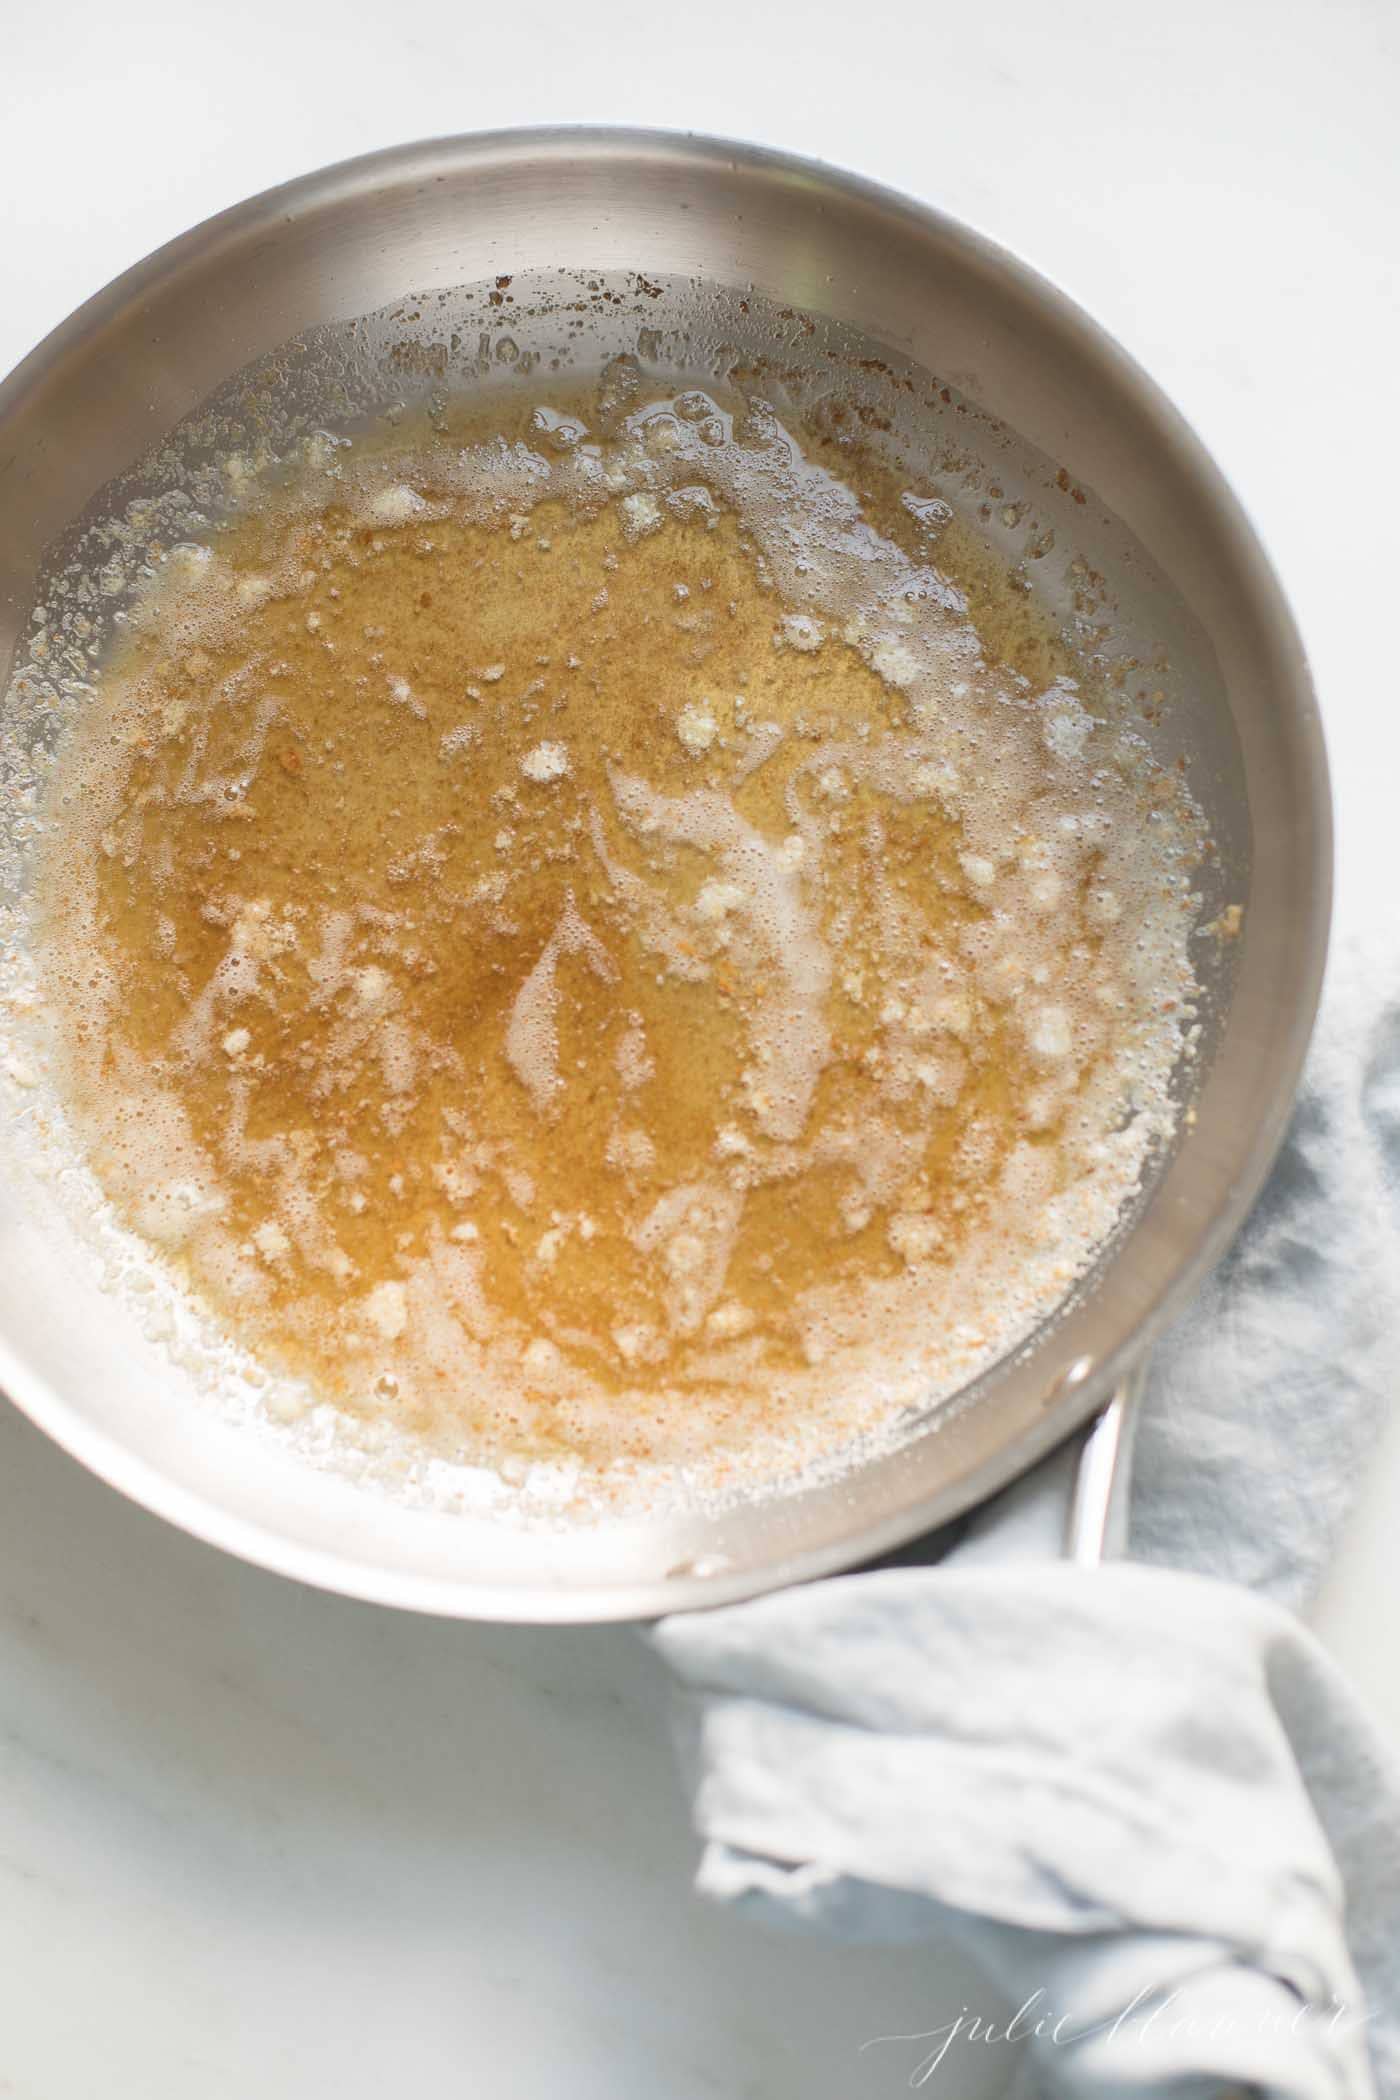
1135,491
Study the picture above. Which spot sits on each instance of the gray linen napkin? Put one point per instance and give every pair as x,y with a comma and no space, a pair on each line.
1140,1796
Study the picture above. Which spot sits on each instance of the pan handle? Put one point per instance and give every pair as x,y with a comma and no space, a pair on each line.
1097,1518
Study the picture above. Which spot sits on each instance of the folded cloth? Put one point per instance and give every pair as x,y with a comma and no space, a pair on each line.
1141,1796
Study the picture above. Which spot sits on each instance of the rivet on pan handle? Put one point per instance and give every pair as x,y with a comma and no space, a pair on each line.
1096,1523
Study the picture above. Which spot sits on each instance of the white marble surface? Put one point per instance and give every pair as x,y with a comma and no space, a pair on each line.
257,1839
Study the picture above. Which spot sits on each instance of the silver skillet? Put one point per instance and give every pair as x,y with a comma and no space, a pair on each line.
1099,447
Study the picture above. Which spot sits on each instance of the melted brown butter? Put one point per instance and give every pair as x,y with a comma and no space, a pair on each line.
578,942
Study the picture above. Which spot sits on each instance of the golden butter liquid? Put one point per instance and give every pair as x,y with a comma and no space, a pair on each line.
553,985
